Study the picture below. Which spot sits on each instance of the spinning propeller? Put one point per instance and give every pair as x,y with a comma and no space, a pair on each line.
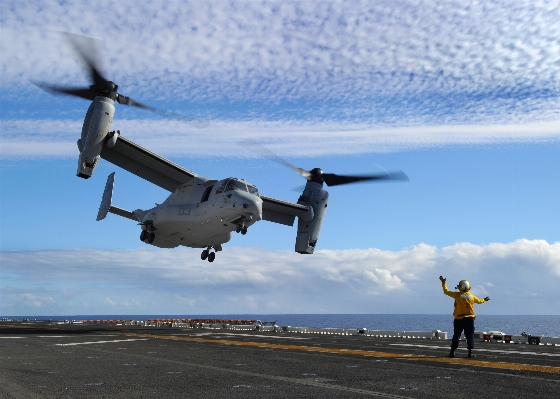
86,48
317,175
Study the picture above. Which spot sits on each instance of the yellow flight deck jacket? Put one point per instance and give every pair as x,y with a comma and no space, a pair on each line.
464,302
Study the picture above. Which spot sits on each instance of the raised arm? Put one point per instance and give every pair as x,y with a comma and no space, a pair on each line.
444,286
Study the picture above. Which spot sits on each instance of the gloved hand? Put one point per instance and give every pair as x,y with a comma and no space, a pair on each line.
442,279
487,299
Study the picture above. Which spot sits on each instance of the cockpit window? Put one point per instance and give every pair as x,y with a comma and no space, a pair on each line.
231,184
253,190
206,194
221,186
235,184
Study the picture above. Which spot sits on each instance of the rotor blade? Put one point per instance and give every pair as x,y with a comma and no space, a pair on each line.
78,92
332,179
88,49
298,189
266,153
124,100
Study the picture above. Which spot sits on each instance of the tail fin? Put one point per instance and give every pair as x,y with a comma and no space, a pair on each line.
107,198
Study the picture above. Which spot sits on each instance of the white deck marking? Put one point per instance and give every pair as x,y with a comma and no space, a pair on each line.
102,342
238,335
54,336
500,351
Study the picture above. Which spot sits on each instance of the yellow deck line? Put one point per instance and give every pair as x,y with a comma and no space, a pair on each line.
471,362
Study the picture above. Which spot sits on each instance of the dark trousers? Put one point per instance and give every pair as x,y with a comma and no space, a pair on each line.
466,324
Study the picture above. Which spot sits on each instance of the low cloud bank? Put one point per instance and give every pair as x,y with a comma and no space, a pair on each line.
521,277
30,138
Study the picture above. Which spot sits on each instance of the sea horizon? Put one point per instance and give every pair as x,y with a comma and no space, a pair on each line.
537,325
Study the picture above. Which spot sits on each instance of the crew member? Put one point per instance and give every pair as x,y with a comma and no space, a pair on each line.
463,314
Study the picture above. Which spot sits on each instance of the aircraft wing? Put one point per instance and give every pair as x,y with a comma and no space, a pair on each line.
280,211
145,164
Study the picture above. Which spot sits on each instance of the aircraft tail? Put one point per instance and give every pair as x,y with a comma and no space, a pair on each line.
106,200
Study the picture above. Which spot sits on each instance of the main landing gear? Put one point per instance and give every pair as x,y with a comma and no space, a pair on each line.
147,236
206,254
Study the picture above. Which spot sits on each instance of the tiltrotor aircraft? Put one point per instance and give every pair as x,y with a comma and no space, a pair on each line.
200,212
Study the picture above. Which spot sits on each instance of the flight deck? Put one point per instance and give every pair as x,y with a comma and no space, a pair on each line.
65,360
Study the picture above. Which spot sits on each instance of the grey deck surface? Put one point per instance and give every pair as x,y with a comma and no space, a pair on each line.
91,361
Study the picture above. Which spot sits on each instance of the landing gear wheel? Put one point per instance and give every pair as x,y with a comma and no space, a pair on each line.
211,256
204,254
244,230
151,237
238,229
143,235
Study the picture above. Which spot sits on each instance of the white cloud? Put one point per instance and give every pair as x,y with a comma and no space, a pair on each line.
35,301
521,277
253,37
110,302
327,54
384,278
57,138
364,78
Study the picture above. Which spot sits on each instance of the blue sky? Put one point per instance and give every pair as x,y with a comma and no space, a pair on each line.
464,98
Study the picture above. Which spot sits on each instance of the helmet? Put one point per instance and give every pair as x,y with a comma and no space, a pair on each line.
463,285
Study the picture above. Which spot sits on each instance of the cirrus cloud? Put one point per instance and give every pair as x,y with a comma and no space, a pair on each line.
399,61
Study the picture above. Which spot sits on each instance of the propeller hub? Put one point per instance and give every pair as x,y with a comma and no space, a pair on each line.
107,89
316,175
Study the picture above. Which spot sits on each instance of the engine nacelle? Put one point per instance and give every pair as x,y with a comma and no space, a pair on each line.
97,122
308,232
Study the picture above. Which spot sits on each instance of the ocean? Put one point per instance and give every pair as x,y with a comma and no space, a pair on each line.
548,326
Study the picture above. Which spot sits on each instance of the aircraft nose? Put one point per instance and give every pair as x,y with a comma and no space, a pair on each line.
251,205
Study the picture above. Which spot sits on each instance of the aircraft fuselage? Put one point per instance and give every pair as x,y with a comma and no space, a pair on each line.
203,213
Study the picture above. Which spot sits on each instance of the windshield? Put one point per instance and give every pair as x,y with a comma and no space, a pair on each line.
236,184
253,190
231,184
